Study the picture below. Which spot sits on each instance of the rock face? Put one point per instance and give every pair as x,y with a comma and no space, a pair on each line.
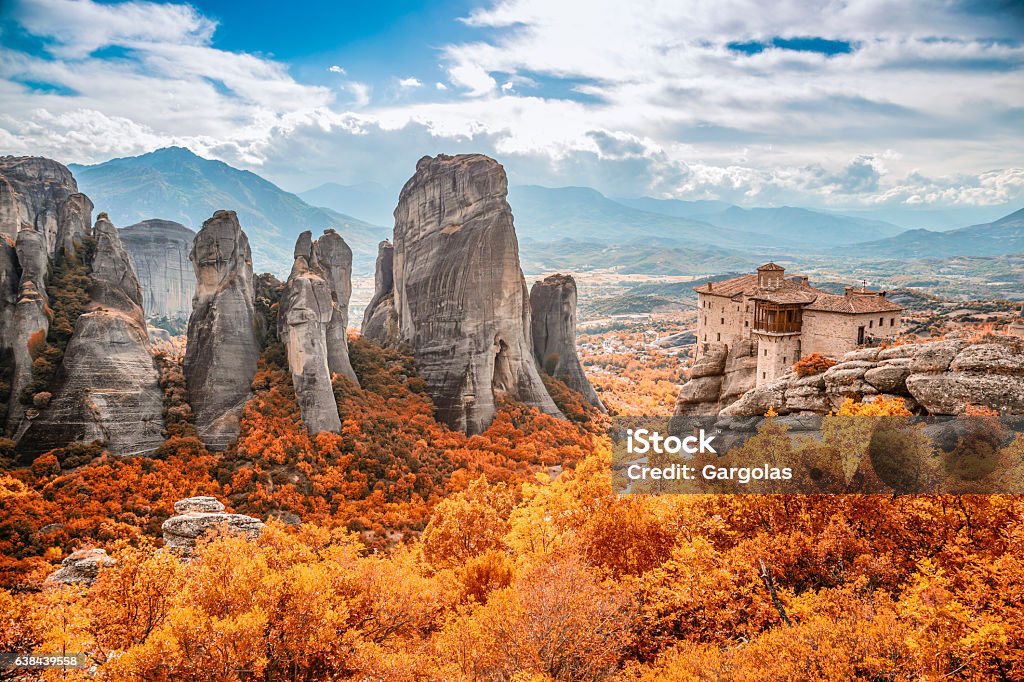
223,345
553,308
719,377
80,567
459,293
29,321
198,515
73,221
159,251
380,320
32,192
107,387
304,321
333,257
939,378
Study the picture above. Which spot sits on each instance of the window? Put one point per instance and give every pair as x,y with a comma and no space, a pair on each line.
719,337
784,359
881,321
871,324
705,337
892,322
723,320
764,375
746,323
766,352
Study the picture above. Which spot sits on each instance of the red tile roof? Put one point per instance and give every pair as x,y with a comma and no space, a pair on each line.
855,303
790,292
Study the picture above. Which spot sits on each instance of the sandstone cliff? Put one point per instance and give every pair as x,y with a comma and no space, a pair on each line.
459,293
304,319
937,378
718,378
159,251
29,324
223,345
107,386
32,192
332,256
553,308
380,320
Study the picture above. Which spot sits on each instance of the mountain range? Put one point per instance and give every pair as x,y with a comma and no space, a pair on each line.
567,228
175,184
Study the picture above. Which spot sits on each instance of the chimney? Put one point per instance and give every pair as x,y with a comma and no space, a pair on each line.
711,285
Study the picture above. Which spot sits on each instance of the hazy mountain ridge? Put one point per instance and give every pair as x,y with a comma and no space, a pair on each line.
175,184
998,238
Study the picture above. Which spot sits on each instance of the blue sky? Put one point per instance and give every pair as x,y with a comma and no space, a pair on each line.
823,103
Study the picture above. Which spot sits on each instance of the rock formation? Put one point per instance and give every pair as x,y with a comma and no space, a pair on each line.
718,378
459,293
553,308
30,323
32,191
938,378
195,516
159,251
73,221
334,259
380,320
80,567
107,387
223,345
304,319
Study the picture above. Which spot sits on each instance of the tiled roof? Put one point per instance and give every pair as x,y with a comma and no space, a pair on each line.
867,302
770,266
790,292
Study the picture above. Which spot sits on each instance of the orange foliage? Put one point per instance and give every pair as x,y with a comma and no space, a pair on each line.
812,364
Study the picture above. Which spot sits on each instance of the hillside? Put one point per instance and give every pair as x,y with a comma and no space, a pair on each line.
813,228
367,201
175,184
998,238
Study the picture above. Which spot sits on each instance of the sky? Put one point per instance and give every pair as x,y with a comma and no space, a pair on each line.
819,103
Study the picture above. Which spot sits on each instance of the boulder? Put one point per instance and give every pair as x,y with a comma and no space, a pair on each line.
553,314
890,376
712,362
935,357
756,402
80,567
459,293
951,392
704,391
380,320
223,346
989,358
198,515
303,319
861,354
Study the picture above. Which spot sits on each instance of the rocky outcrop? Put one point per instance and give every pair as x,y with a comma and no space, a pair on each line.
720,376
107,386
159,250
80,567
223,345
73,222
303,321
196,516
29,324
459,292
333,257
553,311
939,378
32,191
380,320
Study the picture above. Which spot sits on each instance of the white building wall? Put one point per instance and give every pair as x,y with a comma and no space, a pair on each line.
722,320
834,334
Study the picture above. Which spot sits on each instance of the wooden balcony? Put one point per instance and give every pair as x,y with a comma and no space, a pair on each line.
776,318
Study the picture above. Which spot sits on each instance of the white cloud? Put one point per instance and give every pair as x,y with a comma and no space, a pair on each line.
410,83
472,77
440,86
337,69
361,93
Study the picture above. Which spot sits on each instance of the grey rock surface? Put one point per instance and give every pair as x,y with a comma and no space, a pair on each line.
380,319
32,191
553,310
159,251
303,322
223,345
107,387
74,220
460,294
334,258
198,516
80,567
29,322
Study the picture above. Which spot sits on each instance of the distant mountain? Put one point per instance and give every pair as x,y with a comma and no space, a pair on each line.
1001,237
813,228
367,201
175,184
674,207
584,214
669,257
